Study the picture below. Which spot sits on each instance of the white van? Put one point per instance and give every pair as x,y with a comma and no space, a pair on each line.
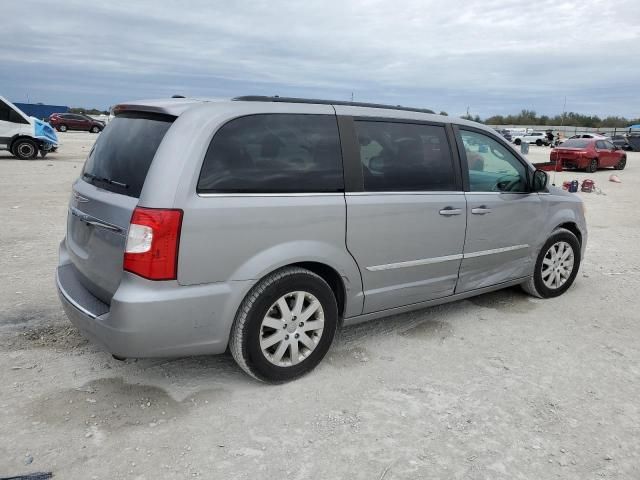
22,135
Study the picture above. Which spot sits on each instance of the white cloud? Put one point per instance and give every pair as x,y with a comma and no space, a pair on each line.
496,56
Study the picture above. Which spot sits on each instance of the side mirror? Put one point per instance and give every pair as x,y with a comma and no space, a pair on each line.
539,181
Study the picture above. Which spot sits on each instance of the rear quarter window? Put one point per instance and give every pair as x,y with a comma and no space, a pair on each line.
121,157
274,153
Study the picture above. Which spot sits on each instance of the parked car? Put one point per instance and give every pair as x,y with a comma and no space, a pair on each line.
506,134
622,142
285,218
588,154
22,135
73,121
539,138
590,135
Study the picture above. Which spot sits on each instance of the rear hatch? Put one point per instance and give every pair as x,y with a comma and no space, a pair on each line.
568,157
570,152
105,196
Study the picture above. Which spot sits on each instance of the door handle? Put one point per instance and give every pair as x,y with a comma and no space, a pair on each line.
448,211
481,210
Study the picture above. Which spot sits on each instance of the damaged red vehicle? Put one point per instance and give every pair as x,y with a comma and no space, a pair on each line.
588,154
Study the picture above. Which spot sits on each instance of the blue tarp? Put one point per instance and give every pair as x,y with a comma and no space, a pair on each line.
40,110
44,131
634,127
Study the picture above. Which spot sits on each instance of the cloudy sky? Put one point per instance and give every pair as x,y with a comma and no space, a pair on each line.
494,57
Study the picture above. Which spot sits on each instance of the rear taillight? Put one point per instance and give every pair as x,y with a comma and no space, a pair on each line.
152,243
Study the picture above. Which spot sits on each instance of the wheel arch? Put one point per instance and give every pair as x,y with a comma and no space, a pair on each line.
335,265
329,275
573,228
20,136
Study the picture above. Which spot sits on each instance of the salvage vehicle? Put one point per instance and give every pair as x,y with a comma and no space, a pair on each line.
263,224
588,154
622,142
506,134
22,135
539,138
74,121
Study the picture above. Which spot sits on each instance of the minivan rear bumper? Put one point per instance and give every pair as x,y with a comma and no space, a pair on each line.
153,319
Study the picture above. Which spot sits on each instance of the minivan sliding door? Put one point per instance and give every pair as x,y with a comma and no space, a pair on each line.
406,226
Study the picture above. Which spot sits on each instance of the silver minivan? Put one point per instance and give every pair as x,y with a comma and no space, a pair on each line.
262,224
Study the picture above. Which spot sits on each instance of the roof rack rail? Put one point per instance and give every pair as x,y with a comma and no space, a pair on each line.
264,98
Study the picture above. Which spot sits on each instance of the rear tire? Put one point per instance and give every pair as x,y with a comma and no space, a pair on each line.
95,129
593,165
25,149
554,274
621,164
270,310
539,142
62,128
517,141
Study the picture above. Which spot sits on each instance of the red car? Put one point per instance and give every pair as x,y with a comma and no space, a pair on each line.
588,154
73,121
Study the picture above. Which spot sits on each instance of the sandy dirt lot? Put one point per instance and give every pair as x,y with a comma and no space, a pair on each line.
502,386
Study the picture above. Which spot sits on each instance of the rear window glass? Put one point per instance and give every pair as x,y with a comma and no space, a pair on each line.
576,143
274,153
122,155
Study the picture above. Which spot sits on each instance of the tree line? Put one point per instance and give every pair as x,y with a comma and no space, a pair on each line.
529,117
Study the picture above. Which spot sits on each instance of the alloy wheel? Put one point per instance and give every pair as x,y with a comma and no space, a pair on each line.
291,329
557,265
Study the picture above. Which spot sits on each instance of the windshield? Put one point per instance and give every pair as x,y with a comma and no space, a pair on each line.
122,155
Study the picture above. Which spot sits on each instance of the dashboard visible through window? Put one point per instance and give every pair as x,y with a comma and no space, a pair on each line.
492,167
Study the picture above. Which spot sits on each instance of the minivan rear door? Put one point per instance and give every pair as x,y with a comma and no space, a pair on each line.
105,196
406,219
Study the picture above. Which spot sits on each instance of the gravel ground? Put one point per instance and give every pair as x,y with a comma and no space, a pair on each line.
501,386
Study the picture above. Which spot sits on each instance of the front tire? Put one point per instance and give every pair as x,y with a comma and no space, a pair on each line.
539,142
621,164
518,141
556,266
593,165
95,129
284,326
25,149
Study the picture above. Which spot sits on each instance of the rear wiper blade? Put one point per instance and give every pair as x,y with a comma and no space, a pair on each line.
105,180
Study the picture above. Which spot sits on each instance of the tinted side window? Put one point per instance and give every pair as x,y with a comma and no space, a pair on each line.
492,167
274,153
4,112
8,114
404,157
600,144
14,117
